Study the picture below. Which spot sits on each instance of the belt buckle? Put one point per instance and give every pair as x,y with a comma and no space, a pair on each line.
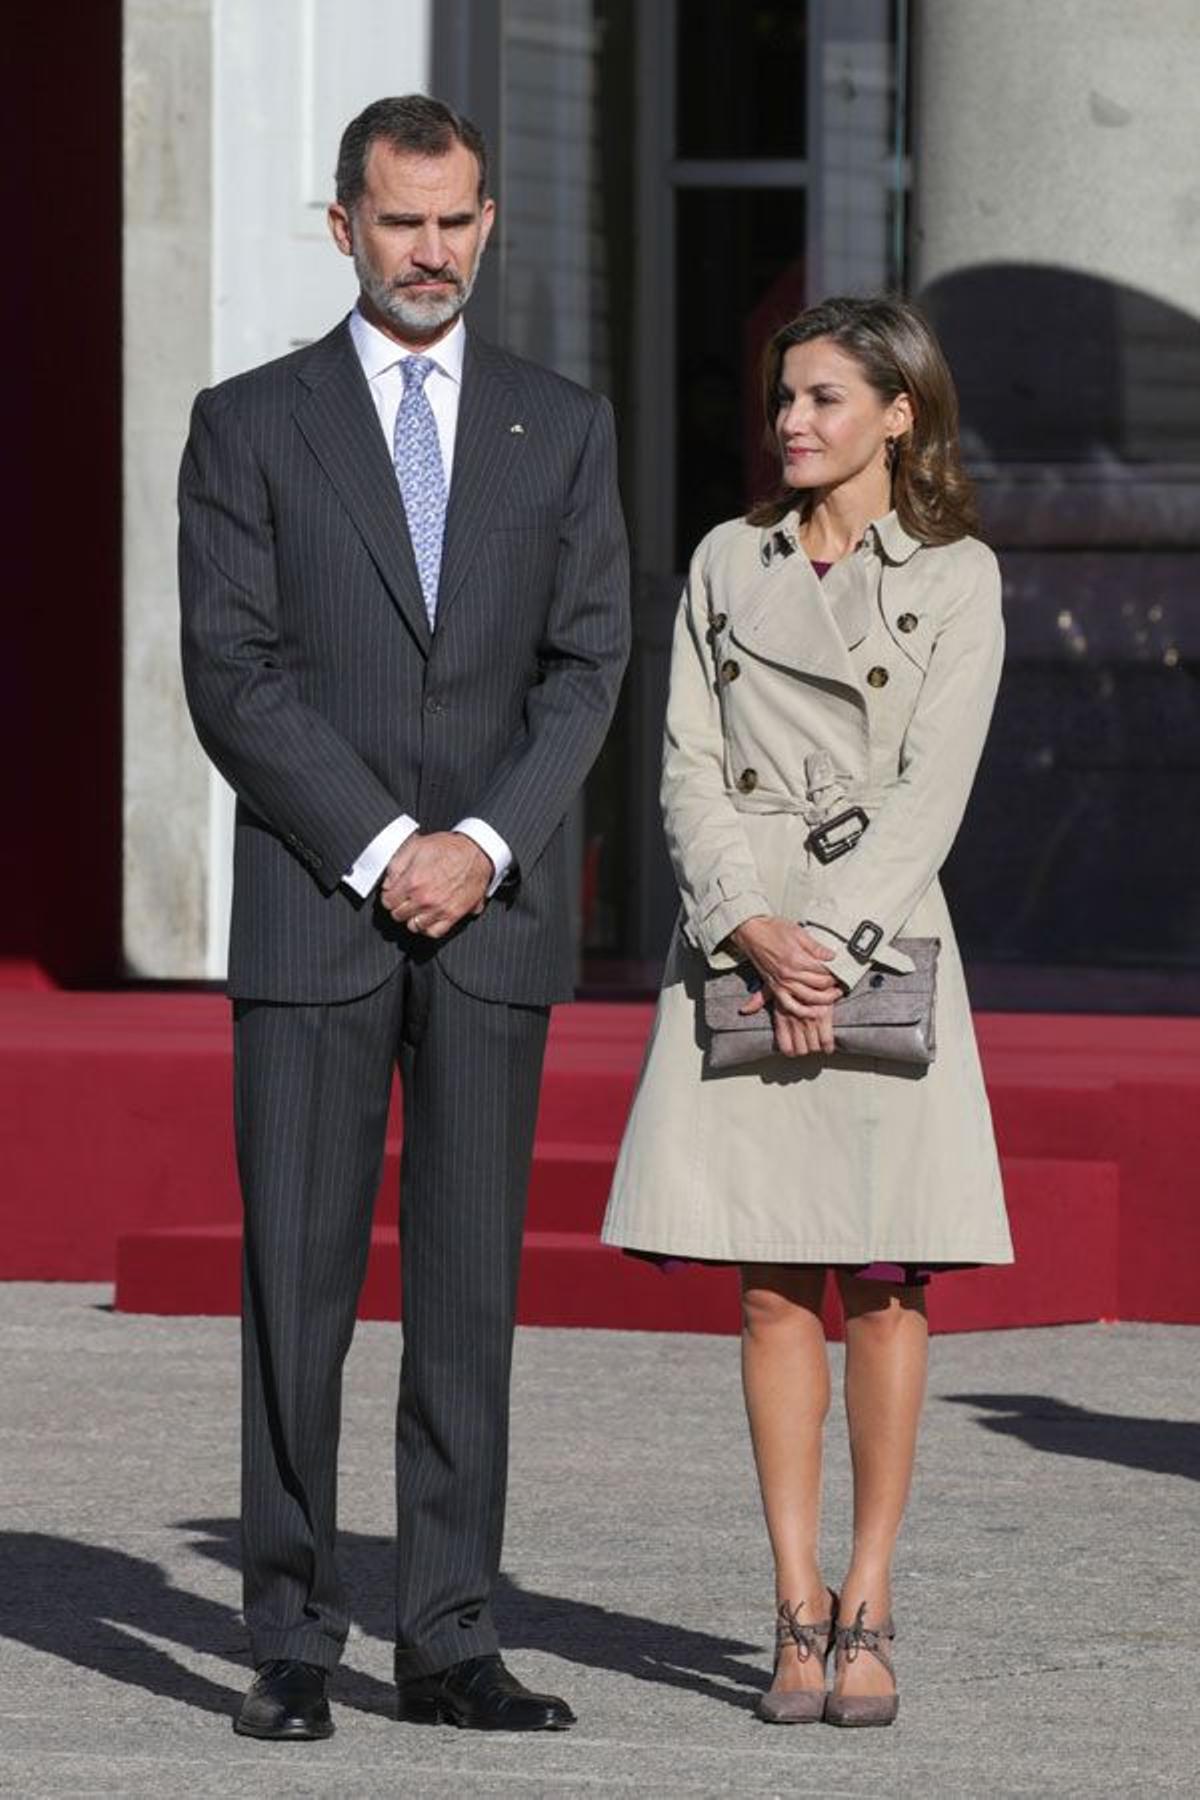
838,835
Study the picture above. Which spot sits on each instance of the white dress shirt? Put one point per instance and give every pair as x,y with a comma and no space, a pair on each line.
381,357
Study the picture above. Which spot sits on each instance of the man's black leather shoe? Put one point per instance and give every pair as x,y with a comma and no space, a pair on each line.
286,1700
481,1695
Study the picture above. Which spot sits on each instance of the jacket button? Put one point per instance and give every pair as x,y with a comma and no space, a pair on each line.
748,780
730,670
907,621
877,677
719,621
433,704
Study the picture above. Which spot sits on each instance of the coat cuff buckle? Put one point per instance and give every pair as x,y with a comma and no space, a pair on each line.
864,940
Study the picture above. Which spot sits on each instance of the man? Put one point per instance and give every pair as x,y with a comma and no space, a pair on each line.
405,616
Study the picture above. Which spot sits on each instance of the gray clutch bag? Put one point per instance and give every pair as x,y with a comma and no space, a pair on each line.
891,1017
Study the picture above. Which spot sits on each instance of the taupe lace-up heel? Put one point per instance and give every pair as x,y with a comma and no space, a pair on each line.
863,1709
802,1706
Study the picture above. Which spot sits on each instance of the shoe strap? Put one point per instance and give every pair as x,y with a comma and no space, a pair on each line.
851,1639
810,1640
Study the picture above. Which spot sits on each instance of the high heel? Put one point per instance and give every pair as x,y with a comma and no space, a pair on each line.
849,1641
799,1706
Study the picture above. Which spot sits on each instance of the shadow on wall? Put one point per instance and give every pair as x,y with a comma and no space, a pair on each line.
1081,420
1055,366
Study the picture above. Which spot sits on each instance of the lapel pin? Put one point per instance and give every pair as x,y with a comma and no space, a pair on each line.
518,430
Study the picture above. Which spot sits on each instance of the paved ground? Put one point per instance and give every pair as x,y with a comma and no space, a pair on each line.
1048,1587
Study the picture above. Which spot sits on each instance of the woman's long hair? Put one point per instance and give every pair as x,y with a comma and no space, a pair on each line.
894,346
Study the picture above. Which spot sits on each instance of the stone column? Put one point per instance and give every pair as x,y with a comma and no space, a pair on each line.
232,119
1056,244
167,357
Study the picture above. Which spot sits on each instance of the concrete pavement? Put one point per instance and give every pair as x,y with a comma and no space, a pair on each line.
1047,1594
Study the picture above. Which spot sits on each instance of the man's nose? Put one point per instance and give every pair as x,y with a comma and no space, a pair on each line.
428,250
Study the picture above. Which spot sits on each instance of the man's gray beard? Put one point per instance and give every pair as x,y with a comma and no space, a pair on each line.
410,312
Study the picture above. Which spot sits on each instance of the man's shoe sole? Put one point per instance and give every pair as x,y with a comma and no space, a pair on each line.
434,1712
287,1734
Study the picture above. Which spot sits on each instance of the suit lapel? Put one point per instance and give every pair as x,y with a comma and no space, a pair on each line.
486,451
340,424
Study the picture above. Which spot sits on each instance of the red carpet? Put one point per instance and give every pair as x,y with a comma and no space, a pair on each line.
116,1152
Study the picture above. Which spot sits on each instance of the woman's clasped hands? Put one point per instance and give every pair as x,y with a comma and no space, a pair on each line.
796,985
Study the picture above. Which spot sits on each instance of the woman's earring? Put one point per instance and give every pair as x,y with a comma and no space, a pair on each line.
891,450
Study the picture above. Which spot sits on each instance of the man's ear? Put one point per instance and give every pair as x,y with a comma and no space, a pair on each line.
487,219
340,229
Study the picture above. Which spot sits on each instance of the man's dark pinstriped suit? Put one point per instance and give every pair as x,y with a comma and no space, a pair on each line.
321,694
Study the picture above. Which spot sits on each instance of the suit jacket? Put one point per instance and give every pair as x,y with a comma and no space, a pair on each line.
319,691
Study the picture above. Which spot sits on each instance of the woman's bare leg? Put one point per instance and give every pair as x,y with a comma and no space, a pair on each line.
785,1378
887,1341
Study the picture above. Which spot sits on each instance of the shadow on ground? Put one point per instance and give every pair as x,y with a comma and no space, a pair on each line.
105,1610
1159,1446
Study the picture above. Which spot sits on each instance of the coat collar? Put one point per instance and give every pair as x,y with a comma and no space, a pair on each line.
891,540
785,614
885,535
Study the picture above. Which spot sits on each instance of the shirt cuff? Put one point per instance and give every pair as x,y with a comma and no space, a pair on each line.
492,845
378,854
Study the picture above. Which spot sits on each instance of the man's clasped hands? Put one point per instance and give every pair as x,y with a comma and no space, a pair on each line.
434,880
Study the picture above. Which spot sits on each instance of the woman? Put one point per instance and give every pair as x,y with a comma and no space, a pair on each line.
838,648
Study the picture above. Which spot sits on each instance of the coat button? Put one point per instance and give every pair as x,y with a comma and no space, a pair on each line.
748,780
907,621
730,670
433,704
877,677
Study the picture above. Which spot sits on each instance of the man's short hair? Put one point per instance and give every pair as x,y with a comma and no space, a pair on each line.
414,124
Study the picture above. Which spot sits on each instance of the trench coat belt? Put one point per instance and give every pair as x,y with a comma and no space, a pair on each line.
813,812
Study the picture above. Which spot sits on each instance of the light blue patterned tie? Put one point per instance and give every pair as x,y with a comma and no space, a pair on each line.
418,459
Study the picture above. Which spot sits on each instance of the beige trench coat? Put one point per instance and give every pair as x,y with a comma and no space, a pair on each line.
890,666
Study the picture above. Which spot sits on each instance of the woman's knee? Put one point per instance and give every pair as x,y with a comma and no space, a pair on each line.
881,1310
775,1302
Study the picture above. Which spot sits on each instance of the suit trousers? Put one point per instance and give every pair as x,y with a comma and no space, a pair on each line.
312,1087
